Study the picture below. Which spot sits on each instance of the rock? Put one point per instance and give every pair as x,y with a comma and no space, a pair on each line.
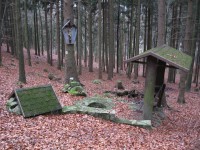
96,81
13,107
119,85
51,76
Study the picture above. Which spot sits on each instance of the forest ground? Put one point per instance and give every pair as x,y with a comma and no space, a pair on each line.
180,130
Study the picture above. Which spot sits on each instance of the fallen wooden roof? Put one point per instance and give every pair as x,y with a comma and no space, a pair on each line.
167,54
37,100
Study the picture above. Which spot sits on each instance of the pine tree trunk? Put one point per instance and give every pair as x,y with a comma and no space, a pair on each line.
118,38
58,33
0,32
149,33
131,53
90,64
70,63
161,40
99,40
22,76
187,46
79,38
41,31
47,34
62,36
26,34
111,40
137,40
51,34
85,53
196,30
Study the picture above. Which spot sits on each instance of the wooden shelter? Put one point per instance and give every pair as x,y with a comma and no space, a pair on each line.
158,56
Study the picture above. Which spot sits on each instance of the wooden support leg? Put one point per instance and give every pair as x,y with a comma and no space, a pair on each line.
149,88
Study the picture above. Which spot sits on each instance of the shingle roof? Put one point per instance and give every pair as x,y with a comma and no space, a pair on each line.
37,100
167,54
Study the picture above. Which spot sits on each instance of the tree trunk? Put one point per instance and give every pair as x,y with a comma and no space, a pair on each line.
47,34
79,38
90,64
137,40
145,39
22,76
149,33
85,53
161,40
51,34
111,39
118,38
187,46
70,63
26,34
172,71
1,20
131,52
58,33
196,30
62,36
99,41
41,31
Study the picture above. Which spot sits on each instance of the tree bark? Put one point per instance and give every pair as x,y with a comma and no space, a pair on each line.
196,30
187,46
161,40
90,63
137,40
58,33
79,38
70,63
99,41
47,34
26,34
111,40
22,76
51,33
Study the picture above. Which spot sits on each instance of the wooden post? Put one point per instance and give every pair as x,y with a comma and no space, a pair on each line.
149,87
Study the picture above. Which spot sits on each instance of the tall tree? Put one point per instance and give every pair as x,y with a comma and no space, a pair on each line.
131,52
47,32
161,40
26,33
51,33
99,40
186,47
79,38
58,33
22,76
196,30
137,39
90,63
111,39
1,20
70,63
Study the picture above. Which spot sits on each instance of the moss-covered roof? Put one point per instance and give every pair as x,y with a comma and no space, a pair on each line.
37,100
167,54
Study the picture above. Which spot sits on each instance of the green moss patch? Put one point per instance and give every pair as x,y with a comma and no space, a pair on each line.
37,100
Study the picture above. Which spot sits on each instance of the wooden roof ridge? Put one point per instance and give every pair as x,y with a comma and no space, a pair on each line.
167,54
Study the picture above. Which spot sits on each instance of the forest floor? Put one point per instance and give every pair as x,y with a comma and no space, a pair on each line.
180,130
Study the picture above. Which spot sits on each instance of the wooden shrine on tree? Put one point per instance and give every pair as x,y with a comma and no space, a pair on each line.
155,57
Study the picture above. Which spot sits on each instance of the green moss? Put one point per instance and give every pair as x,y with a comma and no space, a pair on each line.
96,81
39,100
